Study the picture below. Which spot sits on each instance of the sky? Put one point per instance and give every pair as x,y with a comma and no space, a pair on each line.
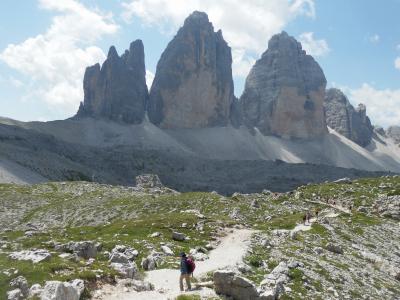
46,45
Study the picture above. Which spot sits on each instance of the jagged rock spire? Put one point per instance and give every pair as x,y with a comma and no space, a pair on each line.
117,90
193,86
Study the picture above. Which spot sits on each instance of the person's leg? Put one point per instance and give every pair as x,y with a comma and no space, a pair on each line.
181,282
187,277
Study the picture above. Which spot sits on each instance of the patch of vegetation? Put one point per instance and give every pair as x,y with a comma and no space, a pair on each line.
188,297
362,219
296,283
288,221
319,229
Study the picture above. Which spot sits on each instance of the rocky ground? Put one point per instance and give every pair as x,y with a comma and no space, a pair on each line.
73,238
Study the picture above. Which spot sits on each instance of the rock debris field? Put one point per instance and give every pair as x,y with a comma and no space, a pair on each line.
80,240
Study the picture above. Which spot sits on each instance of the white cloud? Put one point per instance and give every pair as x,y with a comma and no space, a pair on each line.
56,60
397,63
383,106
15,82
149,78
312,46
247,25
374,38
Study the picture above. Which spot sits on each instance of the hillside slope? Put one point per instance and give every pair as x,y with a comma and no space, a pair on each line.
221,159
351,251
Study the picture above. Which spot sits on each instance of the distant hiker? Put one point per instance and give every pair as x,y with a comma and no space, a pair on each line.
316,213
304,219
185,272
308,217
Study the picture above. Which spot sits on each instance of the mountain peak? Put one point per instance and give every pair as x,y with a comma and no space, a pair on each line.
112,52
197,17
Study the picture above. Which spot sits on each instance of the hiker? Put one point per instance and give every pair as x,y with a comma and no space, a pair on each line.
304,219
309,217
316,213
185,273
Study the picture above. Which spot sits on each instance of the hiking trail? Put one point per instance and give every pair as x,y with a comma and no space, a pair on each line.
229,253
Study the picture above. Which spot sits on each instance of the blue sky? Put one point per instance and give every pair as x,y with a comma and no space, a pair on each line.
45,45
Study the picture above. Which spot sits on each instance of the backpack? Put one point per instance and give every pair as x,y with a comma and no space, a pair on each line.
191,265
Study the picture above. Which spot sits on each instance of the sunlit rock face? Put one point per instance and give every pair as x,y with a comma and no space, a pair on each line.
351,122
284,92
193,86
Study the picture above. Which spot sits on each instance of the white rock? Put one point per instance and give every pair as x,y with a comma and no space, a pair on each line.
126,270
56,290
21,284
167,250
35,255
15,295
177,236
35,290
155,234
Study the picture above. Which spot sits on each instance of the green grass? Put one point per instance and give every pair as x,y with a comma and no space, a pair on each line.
188,297
130,219
288,221
319,229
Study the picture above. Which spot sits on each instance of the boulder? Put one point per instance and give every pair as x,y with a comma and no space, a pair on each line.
198,255
56,290
118,257
22,284
136,285
273,284
280,274
123,254
167,250
193,85
126,270
117,90
84,249
148,181
151,261
15,295
334,248
350,122
228,283
177,236
35,291
284,92
34,255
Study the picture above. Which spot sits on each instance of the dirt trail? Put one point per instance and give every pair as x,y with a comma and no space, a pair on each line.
229,252
307,226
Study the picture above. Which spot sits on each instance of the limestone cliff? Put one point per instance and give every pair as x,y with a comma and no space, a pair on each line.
117,90
193,86
284,92
351,122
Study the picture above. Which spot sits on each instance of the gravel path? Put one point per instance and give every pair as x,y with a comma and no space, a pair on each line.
229,252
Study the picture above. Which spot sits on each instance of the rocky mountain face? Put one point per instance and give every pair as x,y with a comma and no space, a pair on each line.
394,133
193,86
117,90
351,122
284,92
